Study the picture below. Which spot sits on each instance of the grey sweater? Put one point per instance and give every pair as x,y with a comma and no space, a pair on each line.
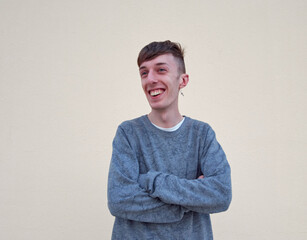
153,190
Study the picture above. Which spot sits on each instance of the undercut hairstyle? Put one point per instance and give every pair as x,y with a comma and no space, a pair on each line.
155,49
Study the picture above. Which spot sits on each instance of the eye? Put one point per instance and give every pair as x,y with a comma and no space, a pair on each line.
143,73
162,70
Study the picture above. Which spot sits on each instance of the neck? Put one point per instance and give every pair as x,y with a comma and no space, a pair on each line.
165,119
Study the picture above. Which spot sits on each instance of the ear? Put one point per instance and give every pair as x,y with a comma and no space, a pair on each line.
184,80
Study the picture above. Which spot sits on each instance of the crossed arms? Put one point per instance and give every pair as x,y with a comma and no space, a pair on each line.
158,197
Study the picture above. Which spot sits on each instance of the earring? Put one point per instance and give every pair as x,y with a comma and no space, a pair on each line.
181,93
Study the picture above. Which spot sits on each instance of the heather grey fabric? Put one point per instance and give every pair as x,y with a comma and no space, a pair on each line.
153,190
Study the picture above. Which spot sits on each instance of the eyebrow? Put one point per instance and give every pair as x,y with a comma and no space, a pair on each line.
157,64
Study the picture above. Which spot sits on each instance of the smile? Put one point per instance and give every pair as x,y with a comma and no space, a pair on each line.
156,92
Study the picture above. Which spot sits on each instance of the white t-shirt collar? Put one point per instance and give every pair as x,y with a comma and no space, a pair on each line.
172,129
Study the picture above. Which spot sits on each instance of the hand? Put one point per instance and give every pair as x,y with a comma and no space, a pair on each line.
201,177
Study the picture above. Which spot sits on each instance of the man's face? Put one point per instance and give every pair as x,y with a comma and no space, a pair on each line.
161,82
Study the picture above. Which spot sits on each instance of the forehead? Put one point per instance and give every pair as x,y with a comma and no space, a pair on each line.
167,59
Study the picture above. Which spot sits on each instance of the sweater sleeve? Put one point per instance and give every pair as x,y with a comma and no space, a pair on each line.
126,199
211,194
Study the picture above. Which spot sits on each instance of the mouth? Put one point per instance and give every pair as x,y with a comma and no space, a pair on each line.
156,92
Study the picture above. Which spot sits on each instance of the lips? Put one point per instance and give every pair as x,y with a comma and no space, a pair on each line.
156,92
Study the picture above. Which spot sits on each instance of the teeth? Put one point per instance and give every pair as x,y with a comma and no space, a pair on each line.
155,92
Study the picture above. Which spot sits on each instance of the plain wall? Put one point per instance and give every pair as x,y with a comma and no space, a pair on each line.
68,78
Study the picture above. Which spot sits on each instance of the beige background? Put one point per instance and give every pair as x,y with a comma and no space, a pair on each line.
68,77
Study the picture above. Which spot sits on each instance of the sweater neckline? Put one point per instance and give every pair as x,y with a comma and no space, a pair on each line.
171,129
156,130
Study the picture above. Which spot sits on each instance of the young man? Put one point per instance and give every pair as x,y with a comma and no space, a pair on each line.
167,172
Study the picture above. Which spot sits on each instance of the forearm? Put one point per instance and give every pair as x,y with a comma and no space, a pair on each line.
152,211
126,199
209,195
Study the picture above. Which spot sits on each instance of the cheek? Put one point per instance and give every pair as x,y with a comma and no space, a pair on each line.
144,87
143,84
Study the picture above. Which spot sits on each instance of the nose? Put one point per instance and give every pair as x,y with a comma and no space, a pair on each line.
152,78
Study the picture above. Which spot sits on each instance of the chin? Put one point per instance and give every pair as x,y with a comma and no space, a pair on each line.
157,108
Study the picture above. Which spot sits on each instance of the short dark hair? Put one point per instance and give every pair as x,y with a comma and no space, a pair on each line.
155,49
